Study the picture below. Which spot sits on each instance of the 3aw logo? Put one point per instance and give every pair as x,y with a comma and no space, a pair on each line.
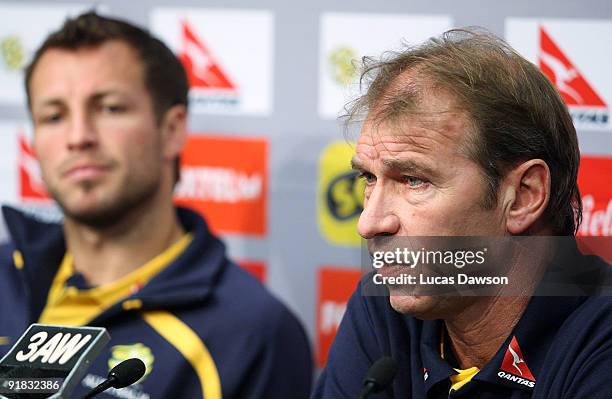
514,368
585,104
60,348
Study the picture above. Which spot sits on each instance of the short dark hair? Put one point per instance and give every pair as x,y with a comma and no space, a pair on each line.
516,112
164,75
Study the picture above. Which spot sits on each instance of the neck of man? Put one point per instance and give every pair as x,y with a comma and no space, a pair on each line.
104,255
478,332
480,328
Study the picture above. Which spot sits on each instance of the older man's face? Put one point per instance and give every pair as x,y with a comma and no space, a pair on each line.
420,182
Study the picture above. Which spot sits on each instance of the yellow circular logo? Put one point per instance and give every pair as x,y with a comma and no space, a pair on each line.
341,65
12,52
120,353
340,195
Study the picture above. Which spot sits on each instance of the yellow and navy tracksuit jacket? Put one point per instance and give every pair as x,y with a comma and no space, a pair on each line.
204,327
561,348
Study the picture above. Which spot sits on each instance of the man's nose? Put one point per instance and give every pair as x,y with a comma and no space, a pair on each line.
82,134
378,216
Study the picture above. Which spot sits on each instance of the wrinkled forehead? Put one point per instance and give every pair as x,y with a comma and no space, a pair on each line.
415,110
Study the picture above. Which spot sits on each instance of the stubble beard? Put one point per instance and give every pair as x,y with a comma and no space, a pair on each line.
113,211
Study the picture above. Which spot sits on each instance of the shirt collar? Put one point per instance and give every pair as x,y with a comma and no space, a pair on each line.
522,354
529,342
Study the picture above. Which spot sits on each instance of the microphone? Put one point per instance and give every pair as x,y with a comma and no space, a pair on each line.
379,376
54,357
125,373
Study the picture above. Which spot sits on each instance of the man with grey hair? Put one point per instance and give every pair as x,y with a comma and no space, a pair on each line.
464,137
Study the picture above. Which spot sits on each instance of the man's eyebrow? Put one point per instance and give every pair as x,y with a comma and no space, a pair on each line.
50,102
54,101
101,94
356,164
409,165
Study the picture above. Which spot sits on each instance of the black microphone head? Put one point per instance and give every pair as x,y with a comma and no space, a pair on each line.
381,373
127,372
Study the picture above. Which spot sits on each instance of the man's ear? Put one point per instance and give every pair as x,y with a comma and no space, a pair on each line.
174,131
527,191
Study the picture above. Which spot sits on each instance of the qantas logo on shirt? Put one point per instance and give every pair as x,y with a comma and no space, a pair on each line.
514,368
202,68
584,102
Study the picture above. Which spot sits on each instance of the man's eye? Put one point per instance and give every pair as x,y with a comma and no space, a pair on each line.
113,108
413,182
50,118
368,177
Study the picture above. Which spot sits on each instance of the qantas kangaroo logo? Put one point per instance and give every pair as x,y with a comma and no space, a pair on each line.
202,68
514,368
573,87
516,360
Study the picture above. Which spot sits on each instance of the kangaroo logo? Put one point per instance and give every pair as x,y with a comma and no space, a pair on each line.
514,361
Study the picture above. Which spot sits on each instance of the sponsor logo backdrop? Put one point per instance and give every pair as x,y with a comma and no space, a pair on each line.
335,287
227,55
572,54
225,179
346,37
22,28
268,79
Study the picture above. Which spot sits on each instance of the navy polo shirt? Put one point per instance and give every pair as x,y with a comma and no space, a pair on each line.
560,348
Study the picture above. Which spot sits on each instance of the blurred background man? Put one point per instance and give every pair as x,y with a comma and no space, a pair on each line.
109,107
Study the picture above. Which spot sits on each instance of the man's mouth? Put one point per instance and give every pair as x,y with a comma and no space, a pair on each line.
85,171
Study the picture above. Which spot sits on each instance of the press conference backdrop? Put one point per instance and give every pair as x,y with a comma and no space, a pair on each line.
267,161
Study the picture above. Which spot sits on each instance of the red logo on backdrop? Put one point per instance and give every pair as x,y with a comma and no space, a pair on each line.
202,68
596,192
573,87
30,179
256,268
335,287
514,363
225,179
